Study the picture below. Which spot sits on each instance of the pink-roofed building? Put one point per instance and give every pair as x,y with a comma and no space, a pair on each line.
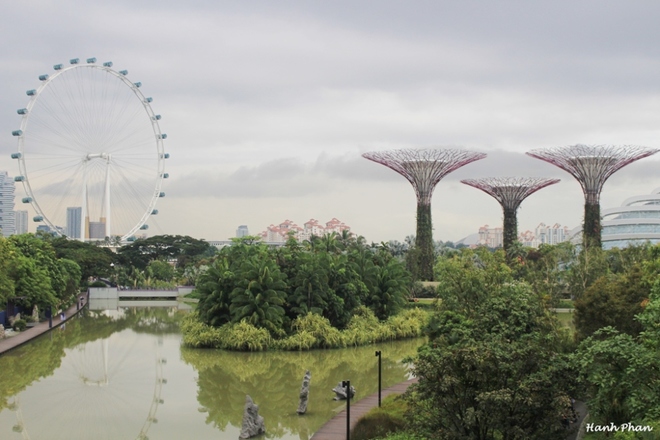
279,233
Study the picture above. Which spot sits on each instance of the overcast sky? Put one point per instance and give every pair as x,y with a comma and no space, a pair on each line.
269,105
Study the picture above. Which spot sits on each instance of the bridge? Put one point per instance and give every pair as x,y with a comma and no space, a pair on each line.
137,294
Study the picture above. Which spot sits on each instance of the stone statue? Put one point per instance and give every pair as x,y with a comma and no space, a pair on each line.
340,392
13,319
304,393
253,423
35,314
2,331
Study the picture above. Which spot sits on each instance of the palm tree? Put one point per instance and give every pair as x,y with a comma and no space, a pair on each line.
214,287
260,294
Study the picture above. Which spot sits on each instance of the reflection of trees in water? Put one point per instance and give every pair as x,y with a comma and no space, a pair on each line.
273,379
42,356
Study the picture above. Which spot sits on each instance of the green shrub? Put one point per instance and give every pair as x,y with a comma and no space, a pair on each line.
245,337
326,336
197,334
378,422
19,325
299,341
310,331
98,284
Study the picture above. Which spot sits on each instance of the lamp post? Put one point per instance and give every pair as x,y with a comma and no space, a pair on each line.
347,385
379,375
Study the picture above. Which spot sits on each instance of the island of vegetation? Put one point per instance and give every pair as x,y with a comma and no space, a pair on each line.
329,292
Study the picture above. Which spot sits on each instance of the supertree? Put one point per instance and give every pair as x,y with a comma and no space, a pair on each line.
424,168
592,165
510,192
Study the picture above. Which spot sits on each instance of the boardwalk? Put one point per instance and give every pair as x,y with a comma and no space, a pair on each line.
21,338
335,429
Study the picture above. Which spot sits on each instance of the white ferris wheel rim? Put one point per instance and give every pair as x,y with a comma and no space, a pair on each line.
157,142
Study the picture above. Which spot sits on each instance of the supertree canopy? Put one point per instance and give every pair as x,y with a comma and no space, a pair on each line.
592,165
510,192
424,168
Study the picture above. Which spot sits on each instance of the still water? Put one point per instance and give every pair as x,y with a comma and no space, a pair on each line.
123,374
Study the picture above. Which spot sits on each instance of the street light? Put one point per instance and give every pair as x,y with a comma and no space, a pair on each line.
379,375
347,385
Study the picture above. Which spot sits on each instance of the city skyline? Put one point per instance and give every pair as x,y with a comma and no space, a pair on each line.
263,125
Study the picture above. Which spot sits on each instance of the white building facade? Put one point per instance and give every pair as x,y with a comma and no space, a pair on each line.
7,188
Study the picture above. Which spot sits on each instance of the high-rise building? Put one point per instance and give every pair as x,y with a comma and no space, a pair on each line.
7,188
73,221
97,230
21,219
242,231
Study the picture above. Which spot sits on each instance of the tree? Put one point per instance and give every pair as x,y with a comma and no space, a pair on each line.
214,288
389,290
493,371
94,261
622,372
260,294
612,300
184,249
309,286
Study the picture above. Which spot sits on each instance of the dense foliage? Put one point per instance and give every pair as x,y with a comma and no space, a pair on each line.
32,274
496,366
271,288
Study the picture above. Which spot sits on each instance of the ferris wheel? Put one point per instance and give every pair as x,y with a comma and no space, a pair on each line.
90,152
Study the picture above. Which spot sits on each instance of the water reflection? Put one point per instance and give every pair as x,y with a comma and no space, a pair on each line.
121,374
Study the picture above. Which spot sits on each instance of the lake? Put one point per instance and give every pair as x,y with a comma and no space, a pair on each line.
122,373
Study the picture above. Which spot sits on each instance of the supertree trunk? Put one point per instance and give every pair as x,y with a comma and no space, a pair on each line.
510,228
424,242
591,228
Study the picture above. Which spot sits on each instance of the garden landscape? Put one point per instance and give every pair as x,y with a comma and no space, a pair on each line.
481,259
492,358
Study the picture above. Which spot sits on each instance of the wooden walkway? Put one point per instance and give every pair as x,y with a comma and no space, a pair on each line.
335,429
28,334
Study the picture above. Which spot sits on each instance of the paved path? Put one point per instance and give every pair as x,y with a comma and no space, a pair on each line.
28,334
335,429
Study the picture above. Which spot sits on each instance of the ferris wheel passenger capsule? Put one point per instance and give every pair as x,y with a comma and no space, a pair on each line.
19,178
16,155
91,60
156,117
74,61
57,67
26,200
162,136
137,84
149,99
165,175
43,77
31,92
22,111
123,72
165,156
17,133
154,212
162,194
107,64
144,227
38,218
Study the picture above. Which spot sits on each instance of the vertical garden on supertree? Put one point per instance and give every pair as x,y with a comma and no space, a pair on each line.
592,165
424,168
510,192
